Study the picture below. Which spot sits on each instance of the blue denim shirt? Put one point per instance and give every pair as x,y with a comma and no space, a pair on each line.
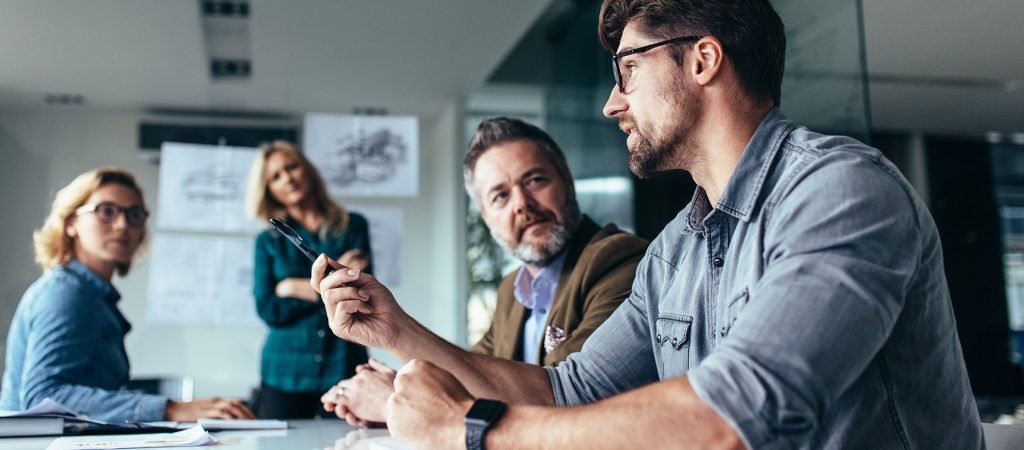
809,308
66,342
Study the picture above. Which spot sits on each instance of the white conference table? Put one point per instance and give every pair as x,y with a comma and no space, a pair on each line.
338,435
301,434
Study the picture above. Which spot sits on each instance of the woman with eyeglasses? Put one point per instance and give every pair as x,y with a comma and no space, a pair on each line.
301,357
66,341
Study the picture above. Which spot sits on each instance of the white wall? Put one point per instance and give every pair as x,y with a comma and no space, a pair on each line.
44,149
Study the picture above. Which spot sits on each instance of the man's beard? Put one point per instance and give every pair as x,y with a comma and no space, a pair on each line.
556,241
654,154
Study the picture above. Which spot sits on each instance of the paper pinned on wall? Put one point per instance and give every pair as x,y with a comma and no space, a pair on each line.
198,279
385,225
202,188
364,156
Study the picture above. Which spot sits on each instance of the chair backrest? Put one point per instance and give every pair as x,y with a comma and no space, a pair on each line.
174,388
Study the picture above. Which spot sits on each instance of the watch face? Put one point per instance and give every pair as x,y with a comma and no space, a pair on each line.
484,412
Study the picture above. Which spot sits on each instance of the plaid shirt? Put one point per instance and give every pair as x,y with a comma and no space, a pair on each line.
301,353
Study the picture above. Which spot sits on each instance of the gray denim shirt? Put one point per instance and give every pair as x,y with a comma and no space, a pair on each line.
809,308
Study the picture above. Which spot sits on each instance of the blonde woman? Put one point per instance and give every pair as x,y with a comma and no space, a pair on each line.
66,341
301,357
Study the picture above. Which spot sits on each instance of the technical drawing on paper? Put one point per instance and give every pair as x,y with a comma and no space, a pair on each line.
202,188
207,185
364,156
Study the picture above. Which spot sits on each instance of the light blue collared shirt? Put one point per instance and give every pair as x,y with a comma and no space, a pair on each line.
536,293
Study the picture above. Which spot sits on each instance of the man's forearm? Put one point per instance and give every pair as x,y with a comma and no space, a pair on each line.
483,376
668,414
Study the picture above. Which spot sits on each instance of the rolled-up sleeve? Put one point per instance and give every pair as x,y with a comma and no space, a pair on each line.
616,358
839,252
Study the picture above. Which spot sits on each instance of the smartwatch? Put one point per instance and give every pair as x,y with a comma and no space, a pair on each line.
480,417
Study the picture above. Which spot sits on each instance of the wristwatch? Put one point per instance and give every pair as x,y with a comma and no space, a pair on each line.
480,417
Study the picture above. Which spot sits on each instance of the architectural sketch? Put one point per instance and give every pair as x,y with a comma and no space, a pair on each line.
202,188
366,156
196,279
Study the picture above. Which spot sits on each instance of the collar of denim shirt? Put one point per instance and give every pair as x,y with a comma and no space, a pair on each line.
90,278
741,193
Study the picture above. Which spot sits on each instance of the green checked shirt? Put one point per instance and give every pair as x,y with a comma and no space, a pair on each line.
301,353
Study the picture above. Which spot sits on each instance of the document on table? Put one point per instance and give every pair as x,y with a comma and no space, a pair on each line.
224,425
192,437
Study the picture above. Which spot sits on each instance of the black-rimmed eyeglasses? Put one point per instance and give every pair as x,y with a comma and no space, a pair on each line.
617,70
107,212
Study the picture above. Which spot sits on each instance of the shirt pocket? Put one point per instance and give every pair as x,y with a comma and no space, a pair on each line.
672,344
733,309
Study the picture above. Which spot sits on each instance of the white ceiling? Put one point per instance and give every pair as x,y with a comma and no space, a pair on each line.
407,56
946,66
935,65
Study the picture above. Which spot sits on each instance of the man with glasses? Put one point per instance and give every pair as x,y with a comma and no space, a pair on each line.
798,301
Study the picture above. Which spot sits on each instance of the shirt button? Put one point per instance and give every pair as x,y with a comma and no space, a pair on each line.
318,358
721,332
675,341
718,262
542,311
321,333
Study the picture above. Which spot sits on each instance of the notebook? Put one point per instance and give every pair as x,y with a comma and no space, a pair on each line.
31,426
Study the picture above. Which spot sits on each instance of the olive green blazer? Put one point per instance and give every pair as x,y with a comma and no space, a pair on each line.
596,277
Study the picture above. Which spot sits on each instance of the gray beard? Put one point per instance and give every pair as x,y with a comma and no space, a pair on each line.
559,239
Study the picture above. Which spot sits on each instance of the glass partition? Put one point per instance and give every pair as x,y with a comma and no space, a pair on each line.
561,60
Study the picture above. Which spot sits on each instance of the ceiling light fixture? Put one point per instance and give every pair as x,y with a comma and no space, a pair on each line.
226,38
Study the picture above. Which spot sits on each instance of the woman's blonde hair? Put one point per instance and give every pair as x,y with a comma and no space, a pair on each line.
261,204
52,245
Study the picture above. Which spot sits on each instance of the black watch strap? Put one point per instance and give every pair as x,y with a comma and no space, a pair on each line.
480,417
474,437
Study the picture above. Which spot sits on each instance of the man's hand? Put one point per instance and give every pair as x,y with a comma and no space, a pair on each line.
209,408
363,399
428,407
296,288
359,308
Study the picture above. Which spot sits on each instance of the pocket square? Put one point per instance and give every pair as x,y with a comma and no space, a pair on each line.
552,337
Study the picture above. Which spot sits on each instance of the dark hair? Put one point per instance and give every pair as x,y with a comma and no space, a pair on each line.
500,130
750,30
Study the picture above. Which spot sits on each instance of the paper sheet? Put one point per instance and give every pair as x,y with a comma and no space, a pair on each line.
365,156
192,437
385,224
218,424
197,279
202,188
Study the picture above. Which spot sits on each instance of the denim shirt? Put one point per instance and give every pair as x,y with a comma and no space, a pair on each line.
535,294
66,342
809,308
